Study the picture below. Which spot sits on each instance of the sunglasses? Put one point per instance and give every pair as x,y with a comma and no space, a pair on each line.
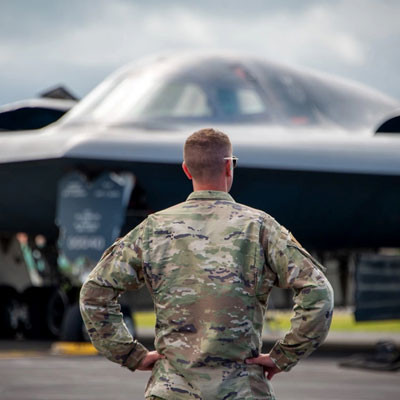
234,160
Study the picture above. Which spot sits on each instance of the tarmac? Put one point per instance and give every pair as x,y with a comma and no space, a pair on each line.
46,376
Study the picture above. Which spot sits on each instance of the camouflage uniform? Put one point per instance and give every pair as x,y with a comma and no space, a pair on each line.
209,264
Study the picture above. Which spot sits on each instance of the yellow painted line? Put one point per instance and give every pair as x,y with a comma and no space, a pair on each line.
73,349
9,354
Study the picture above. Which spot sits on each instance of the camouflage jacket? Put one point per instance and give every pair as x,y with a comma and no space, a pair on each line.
209,264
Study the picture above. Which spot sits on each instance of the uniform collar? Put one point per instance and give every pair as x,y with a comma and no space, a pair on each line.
210,195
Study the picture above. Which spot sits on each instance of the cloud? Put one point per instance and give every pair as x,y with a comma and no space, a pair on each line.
79,42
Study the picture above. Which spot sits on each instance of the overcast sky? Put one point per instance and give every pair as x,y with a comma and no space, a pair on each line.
79,42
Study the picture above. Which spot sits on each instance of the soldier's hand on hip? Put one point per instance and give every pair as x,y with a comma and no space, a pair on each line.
148,362
270,368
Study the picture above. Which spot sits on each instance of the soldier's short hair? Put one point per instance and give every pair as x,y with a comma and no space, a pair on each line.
204,153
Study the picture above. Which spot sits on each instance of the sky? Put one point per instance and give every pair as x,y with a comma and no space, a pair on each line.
78,43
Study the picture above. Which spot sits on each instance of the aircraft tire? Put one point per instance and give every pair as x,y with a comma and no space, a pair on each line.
46,308
57,307
73,328
9,305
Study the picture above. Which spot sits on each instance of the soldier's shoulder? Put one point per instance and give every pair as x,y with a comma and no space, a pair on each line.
173,210
256,213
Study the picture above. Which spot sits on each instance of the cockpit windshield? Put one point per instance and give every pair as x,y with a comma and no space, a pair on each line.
228,92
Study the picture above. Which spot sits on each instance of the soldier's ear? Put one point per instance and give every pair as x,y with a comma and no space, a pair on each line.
186,171
229,168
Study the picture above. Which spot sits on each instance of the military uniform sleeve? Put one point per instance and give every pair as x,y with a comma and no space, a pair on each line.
296,269
119,269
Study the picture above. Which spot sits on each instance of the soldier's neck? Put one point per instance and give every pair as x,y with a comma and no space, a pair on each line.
221,186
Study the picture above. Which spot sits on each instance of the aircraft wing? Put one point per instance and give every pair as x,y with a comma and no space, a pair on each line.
256,148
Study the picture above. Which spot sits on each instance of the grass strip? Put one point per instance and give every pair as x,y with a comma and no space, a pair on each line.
280,320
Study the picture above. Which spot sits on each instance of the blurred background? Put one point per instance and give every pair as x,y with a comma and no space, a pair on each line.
78,44
62,50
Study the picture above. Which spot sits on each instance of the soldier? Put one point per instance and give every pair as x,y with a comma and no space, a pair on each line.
209,264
